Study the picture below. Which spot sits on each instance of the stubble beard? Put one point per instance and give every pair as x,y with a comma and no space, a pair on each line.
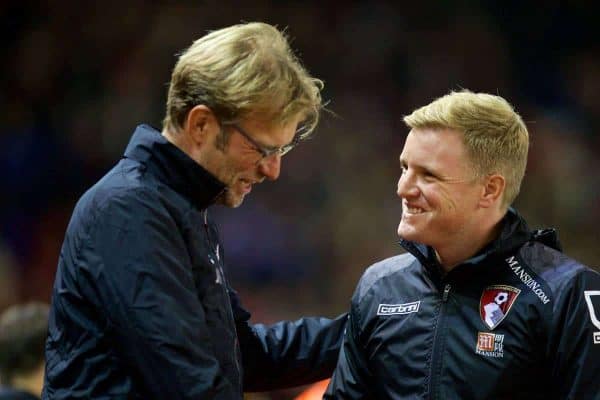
228,199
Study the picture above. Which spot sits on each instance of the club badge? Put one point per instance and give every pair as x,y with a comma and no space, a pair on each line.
495,303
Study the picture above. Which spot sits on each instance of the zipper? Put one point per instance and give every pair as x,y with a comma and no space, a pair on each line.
446,291
438,345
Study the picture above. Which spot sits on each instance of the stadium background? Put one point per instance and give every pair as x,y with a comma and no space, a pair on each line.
77,77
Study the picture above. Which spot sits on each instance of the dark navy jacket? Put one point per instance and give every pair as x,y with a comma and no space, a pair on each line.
141,307
518,321
7,393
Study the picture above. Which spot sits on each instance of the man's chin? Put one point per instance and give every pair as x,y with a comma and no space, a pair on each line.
231,200
408,232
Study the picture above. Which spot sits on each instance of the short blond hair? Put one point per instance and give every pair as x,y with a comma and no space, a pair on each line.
495,136
243,70
23,331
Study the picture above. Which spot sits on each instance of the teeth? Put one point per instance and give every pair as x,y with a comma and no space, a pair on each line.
414,210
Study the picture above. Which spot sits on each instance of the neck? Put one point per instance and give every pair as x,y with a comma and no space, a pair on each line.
184,143
457,251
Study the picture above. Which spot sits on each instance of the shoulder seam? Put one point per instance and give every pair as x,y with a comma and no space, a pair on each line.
400,261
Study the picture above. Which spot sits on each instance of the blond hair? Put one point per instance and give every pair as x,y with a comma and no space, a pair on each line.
23,331
240,71
495,136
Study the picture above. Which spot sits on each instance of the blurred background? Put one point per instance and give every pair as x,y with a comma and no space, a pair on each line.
77,77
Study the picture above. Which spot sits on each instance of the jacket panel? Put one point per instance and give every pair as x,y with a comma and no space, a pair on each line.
573,356
135,278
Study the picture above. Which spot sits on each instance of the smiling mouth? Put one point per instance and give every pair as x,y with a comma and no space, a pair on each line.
247,185
413,210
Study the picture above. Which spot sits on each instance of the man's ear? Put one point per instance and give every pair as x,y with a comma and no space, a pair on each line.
200,123
493,190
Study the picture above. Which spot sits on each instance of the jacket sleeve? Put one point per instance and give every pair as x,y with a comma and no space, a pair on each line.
136,267
351,377
287,353
574,347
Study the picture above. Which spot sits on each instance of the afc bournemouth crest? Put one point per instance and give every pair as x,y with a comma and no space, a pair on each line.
495,303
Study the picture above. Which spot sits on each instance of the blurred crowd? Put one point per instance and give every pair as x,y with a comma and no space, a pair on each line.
77,77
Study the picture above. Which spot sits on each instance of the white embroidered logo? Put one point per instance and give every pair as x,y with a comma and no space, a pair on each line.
527,279
398,309
588,294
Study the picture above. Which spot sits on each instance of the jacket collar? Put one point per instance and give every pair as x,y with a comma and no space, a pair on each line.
514,234
173,167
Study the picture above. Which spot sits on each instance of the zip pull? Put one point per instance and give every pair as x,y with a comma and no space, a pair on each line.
446,291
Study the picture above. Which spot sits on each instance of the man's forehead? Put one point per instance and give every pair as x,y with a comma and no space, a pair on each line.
431,147
434,139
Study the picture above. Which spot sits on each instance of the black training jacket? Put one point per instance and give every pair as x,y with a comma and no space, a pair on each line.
520,320
141,307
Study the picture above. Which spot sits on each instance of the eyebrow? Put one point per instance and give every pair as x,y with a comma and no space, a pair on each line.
420,167
272,148
266,146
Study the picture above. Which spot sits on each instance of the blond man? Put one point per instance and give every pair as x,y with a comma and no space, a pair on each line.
141,306
480,306
23,330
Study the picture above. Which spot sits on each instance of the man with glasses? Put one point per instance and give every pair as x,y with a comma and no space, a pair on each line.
141,306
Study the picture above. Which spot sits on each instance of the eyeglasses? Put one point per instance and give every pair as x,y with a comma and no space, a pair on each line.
265,151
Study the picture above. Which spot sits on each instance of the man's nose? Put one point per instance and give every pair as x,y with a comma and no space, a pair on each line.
407,186
270,167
